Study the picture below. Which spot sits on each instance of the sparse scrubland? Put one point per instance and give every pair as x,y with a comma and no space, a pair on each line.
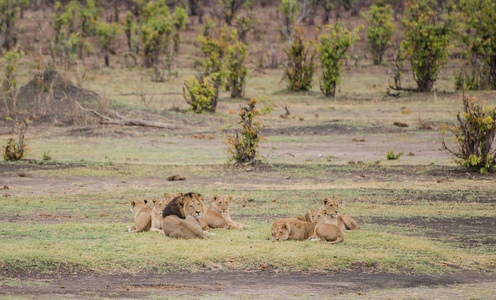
427,217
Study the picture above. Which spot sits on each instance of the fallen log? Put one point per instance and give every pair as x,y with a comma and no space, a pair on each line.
123,121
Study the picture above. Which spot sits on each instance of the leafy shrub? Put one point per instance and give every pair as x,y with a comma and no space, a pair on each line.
9,68
427,32
246,24
243,146
231,7
474,136
391,156
479,39
47,155
236,70
299,70
107,34
332,46
16,150
380,30
201,93
8,10
288,8
156,31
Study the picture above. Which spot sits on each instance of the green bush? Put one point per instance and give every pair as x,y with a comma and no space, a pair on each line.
380,30
391,156
289,9
107,34
243,146
237,72
427,34
155,32
201,93
332,46
300,65
16,150
479,39
474,136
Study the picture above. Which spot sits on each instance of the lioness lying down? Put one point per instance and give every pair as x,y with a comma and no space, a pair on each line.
217,215
293,229
142,216
181,215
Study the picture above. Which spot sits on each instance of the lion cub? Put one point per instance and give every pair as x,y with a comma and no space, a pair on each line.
292,229
142,216
217,215
343,222
326,232
181,215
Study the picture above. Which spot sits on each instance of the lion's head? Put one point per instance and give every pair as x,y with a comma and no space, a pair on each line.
137,204
320,216
313,215
281,232
159,205
222,203
190,204
331,206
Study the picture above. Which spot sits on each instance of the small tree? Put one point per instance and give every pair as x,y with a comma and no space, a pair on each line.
243,146
380,30
428,31
288,8
202,92
8,10
474,136
155,31
9,68
179,21
479,38
246,24
231,7
236,70
107,34
332,46
300,66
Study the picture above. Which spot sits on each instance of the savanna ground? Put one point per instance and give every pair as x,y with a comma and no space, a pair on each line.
428,227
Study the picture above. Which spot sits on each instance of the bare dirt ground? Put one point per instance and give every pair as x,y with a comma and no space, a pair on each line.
233,284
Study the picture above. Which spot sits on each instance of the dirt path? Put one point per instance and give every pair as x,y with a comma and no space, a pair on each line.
266,284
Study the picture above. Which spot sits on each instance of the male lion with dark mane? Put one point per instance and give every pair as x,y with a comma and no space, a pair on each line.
181,216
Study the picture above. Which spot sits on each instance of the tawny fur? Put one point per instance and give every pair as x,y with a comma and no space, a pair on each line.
342,221
142,216
326,232
218,216
293,229
181,216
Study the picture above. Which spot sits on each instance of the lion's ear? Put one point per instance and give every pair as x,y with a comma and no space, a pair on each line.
179,194
132,203
336,201
229,198
200,198
216,197
182,200
285,226
326,201
154,201
166,195
146,201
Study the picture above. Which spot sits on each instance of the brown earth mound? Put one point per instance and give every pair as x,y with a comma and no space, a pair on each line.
51,98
